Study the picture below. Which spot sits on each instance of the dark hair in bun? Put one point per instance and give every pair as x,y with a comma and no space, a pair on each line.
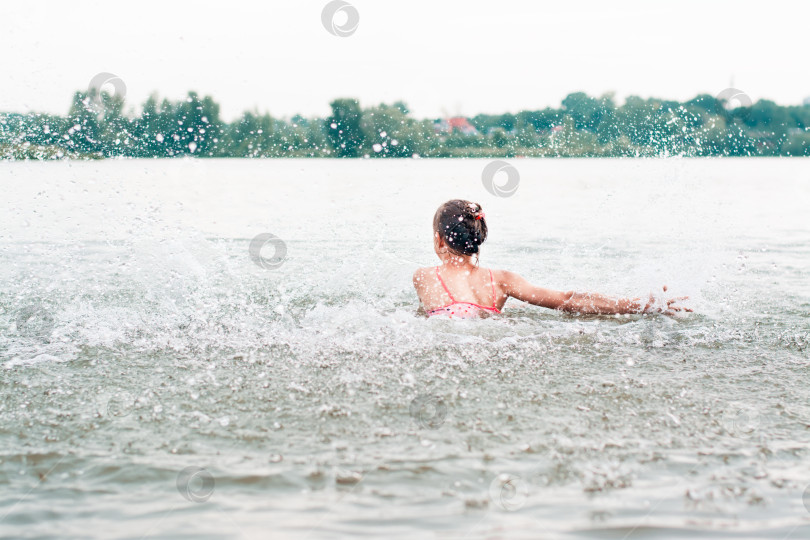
461,225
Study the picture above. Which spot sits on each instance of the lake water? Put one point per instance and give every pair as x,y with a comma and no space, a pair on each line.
157,382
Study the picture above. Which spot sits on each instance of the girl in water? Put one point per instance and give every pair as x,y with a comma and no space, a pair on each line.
459,288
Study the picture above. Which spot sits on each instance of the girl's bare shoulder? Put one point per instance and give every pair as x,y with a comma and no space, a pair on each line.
420,273
500,275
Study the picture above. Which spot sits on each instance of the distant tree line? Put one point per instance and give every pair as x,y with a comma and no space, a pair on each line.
96,126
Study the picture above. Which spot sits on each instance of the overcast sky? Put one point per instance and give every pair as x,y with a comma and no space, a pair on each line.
462,57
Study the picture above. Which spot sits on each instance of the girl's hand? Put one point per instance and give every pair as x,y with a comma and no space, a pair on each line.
667,306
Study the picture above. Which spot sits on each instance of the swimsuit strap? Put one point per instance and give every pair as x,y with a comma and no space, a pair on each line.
492,282
453,300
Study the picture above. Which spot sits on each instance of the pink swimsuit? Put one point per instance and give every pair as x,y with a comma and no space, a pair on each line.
463,310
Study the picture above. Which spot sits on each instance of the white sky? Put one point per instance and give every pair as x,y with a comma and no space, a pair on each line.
464,57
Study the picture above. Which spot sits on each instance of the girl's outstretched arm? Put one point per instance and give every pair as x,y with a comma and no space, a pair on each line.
591,303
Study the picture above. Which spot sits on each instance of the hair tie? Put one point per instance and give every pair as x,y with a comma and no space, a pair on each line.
479,215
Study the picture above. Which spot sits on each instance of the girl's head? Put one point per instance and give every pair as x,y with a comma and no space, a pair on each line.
460,227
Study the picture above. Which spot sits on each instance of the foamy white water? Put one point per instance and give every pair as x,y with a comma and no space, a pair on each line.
138,339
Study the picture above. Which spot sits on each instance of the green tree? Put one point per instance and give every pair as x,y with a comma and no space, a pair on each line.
389,132
343,128
585,110
83,133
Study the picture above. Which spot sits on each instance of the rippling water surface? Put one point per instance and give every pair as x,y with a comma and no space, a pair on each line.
158,383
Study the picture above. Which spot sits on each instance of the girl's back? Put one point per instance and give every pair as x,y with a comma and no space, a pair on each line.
458,290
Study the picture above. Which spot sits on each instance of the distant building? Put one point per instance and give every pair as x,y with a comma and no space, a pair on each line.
457,123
